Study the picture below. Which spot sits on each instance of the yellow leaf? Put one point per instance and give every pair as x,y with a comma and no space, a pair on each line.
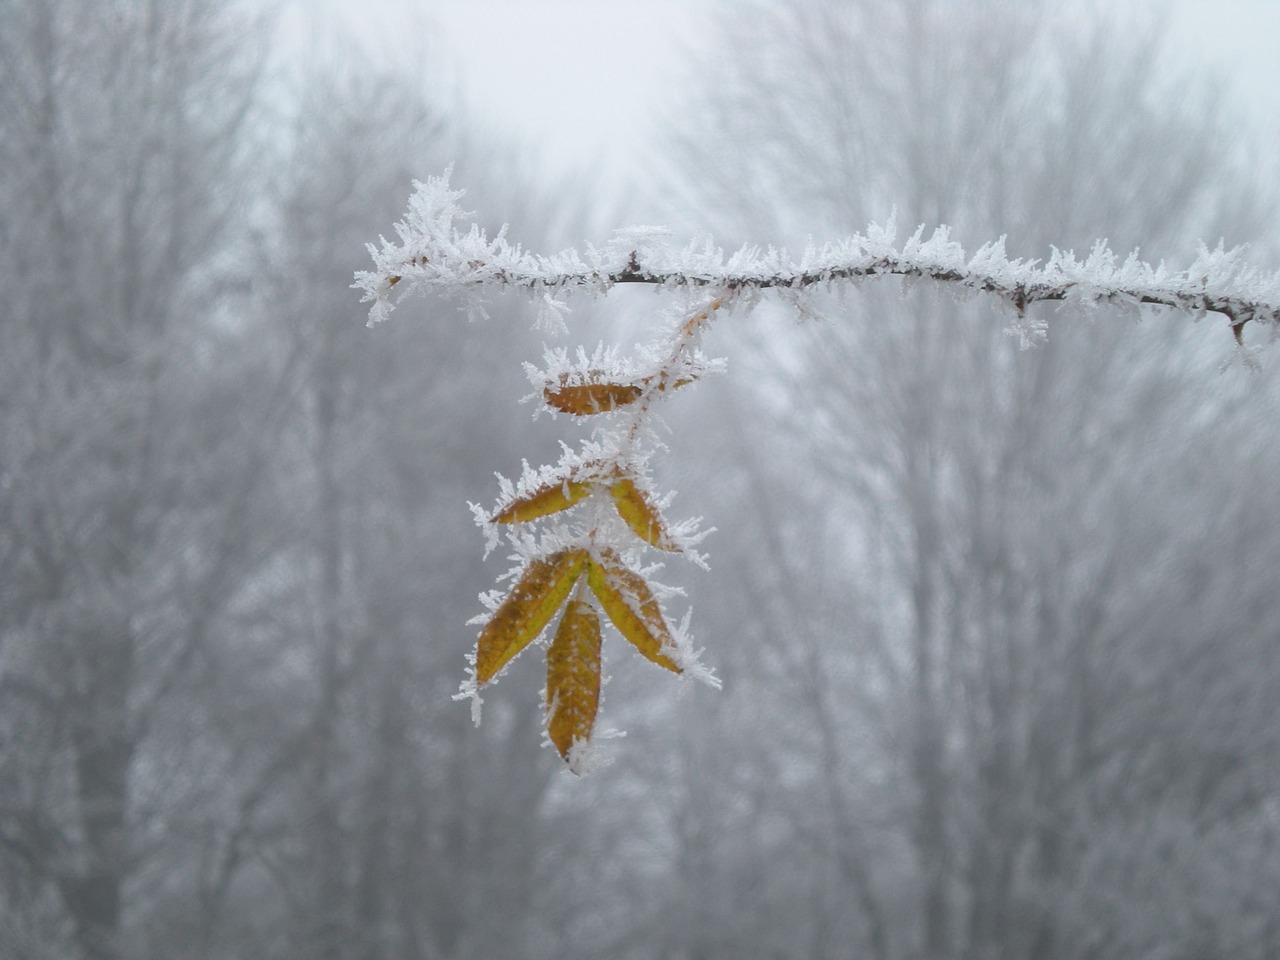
631,607
584,399
546,500
530,605
600,396
573,677
641,515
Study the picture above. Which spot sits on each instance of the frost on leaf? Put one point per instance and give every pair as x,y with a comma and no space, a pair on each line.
635,507
527,609
590,396
632,607
573,678
595,393
544,501
440,248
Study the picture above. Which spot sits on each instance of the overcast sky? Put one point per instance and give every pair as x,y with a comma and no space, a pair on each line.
586,80
586,77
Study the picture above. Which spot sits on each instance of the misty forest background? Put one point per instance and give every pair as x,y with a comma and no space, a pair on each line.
999,630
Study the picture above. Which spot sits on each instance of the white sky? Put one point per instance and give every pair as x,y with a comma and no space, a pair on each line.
585,80
586,77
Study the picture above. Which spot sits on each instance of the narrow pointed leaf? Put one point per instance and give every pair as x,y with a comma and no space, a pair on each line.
632,607
527,609
641,515
546,500
573,677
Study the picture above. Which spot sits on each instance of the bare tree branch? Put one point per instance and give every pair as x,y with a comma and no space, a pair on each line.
435,253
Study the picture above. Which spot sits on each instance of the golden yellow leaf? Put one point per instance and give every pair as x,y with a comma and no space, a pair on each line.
546,500
573,677
632,607
595,395
640,514
530,605
584,399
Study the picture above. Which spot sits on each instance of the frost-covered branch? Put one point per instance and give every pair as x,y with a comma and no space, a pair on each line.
435,252
580,530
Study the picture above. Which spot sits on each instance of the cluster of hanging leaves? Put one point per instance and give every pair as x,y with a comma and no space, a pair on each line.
569,524
635,507
573,658
591,514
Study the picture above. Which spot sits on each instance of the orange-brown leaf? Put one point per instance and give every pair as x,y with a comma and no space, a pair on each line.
596,395
640,514
584,399
544,501
573,677
530,605
632,607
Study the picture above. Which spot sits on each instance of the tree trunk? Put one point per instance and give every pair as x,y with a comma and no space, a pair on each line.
93,889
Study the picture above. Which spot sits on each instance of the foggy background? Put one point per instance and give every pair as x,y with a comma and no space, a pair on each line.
998,629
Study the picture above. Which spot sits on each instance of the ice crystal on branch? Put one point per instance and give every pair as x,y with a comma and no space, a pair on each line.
435,252
578,527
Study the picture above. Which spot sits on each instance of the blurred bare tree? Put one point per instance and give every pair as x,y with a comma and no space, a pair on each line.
996,626
403,825
128,486
234,549
977,581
